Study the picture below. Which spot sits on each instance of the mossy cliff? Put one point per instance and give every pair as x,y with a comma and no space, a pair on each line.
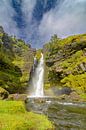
65,62
16,60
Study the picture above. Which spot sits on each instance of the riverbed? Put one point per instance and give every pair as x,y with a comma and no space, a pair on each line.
64,115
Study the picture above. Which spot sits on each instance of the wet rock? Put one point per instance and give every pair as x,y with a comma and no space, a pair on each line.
17,96
74,96
65,90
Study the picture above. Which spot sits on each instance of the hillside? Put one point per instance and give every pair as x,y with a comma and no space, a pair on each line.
65,63
16,60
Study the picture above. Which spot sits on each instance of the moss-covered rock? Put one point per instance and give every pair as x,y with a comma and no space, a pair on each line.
17,97
3,93
65,62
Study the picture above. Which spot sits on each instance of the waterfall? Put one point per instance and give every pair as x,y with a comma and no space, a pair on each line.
36,84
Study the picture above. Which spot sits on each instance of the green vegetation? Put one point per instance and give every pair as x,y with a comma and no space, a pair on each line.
13,116
3,93
65,60
16,60
77,82
38,54
9,73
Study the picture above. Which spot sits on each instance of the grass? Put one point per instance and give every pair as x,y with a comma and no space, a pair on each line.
83,95
13,116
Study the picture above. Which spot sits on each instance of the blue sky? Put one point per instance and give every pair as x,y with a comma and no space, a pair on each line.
36,21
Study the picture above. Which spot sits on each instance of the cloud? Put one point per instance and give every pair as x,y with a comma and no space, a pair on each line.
10,25
69,19
27,10
6,17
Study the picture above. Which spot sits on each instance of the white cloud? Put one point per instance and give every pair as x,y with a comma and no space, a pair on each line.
7,13
27,9
66,19
6,17
69,19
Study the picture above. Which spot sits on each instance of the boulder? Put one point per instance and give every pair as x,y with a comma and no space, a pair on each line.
66,90
74,96
3,93
17,96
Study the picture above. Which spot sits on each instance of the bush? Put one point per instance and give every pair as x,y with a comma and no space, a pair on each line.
76,82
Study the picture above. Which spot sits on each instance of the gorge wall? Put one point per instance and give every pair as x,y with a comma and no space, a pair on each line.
16,60
65,63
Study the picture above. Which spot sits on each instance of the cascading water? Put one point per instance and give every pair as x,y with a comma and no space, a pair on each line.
36,84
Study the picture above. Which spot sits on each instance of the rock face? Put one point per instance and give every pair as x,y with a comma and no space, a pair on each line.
65,62
16,60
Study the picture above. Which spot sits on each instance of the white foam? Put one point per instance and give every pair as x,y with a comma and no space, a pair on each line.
37,81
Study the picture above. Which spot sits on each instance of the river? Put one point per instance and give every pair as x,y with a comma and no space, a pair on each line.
64,115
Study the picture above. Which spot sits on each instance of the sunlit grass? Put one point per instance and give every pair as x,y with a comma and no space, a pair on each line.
13,116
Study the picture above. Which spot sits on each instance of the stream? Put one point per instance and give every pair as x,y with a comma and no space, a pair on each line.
64,115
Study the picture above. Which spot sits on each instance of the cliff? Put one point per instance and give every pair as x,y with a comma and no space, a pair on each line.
16,60
65,63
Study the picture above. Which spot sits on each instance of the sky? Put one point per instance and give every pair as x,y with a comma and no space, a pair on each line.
36,21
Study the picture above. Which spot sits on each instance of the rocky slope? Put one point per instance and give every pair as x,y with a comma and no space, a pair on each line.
16,60
65,63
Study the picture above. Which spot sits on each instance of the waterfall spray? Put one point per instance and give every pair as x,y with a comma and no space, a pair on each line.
37,81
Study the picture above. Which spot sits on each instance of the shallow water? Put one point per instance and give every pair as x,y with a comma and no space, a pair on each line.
64,115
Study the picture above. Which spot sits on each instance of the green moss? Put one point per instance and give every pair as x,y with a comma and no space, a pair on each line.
57,44
66,62
73,38
13,116
38,54
3,93
9,81
72,63
47,85
16,59
83,96
1,34
25,77
21,45
76,82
